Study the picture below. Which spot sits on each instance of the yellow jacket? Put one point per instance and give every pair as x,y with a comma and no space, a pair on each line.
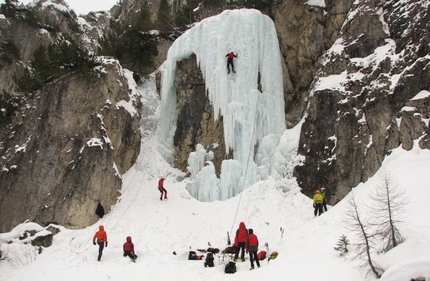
318,198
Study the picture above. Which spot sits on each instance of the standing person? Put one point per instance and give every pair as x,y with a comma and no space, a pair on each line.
230,57
100,238
162,189
252,248
324,203
240,241
100,211
318,200
128,248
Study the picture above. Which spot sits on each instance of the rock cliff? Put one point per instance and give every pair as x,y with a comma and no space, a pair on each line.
380,60
66,149
68,144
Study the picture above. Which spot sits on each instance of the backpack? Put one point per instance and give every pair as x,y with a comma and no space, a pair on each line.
230,250
213,250
192,255
230,267
273,255
209,261
261,255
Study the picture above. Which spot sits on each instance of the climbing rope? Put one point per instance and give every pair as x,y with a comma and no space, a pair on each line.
107,222
246,170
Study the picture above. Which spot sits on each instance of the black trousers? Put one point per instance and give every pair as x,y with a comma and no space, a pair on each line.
230,62
101,247
163,190
130,255
324,205
253,257
240,246
318,209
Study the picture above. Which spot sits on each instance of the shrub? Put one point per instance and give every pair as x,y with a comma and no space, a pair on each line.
8,105
8,52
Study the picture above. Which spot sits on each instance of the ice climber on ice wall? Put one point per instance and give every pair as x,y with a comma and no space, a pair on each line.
230,56
249,114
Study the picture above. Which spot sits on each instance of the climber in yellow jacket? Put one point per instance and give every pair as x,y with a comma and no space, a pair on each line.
318,201
324,203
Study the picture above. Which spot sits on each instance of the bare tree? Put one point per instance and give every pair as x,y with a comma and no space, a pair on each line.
389,203
365,239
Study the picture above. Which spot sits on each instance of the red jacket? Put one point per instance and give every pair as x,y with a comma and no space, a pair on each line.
100,236
252,243
160,184
241,234
128,246
252,240
231,55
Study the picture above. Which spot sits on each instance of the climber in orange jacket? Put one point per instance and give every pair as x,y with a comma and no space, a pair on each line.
101,239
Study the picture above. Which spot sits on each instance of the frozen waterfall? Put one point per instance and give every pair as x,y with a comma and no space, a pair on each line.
249,115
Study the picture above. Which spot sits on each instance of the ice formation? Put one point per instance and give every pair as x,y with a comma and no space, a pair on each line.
249,114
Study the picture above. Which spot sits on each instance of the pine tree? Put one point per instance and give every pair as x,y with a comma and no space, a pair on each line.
342,245
164,17
186,14
132,44
58,58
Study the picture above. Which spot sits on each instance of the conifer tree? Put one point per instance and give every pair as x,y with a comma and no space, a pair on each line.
342,245
164,17
9,8
186,14
58,58
133,45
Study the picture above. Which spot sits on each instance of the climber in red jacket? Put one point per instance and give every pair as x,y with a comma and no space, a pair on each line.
252,248
162,190
230,57
128,248
240,241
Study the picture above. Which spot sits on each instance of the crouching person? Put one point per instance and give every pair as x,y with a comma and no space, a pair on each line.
128,248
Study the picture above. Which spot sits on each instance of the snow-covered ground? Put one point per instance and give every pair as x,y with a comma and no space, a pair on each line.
279,214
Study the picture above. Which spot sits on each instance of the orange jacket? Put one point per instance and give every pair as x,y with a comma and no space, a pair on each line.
100,236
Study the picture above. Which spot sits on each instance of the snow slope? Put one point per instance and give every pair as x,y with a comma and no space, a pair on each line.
181,223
